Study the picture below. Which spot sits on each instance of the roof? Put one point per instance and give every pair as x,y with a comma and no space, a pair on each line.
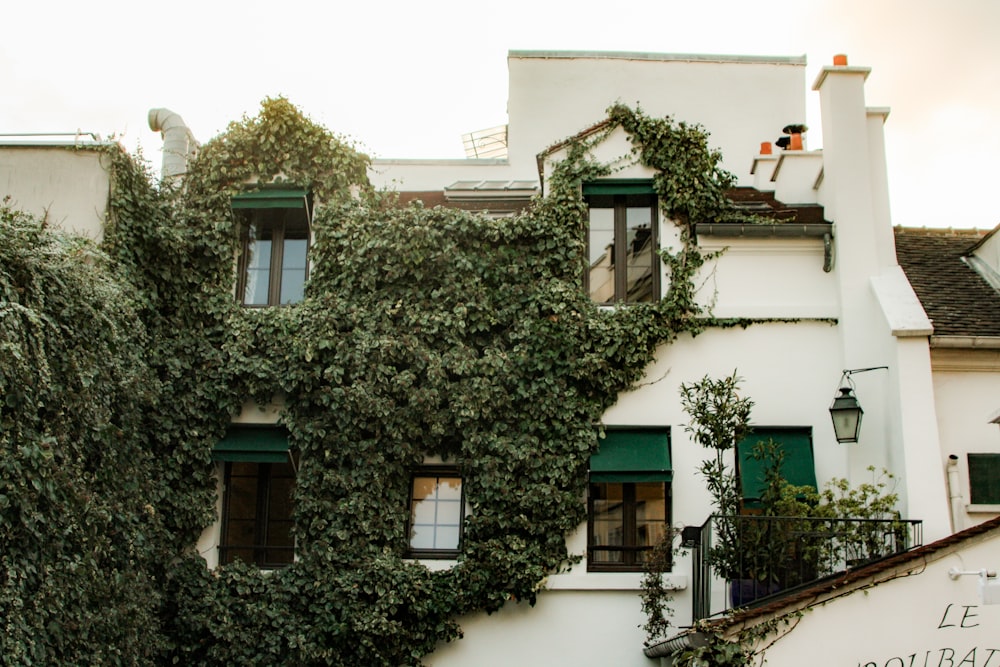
801,598
957,299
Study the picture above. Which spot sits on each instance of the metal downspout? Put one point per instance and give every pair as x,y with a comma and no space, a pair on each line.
955,495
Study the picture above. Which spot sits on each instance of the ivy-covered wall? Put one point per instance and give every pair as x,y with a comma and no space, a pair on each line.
423,332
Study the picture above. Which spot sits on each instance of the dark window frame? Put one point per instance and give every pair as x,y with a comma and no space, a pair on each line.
282,223
263,544
439,471
630,549
620,203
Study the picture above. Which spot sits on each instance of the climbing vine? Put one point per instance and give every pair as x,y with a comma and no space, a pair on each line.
422,332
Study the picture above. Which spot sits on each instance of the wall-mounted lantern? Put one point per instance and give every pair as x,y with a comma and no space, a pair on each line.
845,411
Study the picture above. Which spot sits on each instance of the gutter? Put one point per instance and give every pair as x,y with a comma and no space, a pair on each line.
815,230
781,230
966,342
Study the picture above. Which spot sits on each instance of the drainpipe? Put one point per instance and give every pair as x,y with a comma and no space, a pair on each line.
179,145
955,495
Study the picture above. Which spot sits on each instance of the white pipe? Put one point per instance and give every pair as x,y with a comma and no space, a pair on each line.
955,495
179,144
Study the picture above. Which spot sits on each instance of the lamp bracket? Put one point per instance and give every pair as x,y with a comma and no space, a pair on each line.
955,573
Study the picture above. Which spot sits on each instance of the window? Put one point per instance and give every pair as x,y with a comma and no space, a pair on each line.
628,503
273,263
257,502
622,243
798,467
437,508
984,479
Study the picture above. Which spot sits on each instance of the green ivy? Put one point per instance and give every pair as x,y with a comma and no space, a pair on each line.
423,331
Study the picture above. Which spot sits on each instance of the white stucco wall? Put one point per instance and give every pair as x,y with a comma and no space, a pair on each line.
741,101
69,186
580,628
767,277
966,394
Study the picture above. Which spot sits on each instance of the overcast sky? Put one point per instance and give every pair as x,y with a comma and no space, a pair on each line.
406,79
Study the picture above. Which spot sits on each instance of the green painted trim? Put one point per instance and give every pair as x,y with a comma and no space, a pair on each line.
264,444
619,186
798,468
295,198
623,477
251,457
633,455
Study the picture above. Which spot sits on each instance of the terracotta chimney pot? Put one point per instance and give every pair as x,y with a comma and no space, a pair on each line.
765,148
840,60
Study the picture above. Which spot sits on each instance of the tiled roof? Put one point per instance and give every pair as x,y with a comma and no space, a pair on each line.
956,298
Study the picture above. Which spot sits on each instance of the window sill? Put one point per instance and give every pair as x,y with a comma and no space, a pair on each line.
982,509
434,564
609,581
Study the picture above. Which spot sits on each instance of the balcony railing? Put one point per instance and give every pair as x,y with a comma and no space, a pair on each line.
738,561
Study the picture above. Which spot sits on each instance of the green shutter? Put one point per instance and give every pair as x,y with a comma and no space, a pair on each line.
270,199
798,467
632,455
984,479
619,186
260,444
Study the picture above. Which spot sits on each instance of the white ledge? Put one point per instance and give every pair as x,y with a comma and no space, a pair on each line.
609,581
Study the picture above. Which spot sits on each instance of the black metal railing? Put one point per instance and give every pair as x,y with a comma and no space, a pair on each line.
756,557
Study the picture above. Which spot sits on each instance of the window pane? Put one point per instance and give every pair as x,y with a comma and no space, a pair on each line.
984,479
639,254
258,512
436,513
449,512
258,275
243,497
422,537
608,529
650,513
293,269
601,242
449,488
446,538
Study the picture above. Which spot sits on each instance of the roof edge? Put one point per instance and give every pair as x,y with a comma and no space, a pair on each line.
660,57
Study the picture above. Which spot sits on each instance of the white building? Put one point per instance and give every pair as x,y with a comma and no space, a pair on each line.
820,286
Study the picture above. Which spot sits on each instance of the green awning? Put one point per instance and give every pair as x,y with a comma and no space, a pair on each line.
798,466
261,444
271,198
632,455
619,186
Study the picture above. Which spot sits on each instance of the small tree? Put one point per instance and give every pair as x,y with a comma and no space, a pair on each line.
720,418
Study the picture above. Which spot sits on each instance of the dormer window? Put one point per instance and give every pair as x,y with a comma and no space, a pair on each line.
273,264
622,243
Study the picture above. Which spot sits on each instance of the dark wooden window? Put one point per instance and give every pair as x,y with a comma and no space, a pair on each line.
273,261
257,514
622,244
984,479
437,511
626,519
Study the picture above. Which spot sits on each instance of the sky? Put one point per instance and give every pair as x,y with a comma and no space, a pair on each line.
407,79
